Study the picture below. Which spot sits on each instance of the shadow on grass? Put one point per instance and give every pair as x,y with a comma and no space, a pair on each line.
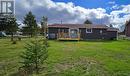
100,40
20,74
86,40
15,74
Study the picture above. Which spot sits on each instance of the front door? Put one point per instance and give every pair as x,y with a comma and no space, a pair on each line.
73,33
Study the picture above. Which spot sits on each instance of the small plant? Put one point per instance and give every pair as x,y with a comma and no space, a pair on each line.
34,56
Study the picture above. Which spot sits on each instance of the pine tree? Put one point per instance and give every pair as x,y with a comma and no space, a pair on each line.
34,56
3,20
87,22
30,22
8,23
111,25
11,26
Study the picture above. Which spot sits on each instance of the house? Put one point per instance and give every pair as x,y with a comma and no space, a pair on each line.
81,32
127,29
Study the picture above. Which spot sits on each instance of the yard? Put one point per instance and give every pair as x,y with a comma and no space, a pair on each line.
72,58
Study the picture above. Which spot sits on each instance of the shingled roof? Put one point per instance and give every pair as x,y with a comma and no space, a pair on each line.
83,26
66,25
112,29
77,26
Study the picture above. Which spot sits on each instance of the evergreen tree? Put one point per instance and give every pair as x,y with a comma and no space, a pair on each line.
25,30
111,25
34,56
11,26
3,21
30,22
87,22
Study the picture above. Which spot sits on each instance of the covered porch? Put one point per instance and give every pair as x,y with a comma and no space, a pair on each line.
70,34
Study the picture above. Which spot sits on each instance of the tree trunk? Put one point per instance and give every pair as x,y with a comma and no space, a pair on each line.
36,63
37,69
31,32
31,35
12,37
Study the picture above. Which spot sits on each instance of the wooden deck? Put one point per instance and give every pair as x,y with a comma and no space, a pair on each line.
71,39
66,36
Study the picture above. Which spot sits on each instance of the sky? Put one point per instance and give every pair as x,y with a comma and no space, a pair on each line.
106,4
107,12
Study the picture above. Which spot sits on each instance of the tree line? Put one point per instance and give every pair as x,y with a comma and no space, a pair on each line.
35,52
10,26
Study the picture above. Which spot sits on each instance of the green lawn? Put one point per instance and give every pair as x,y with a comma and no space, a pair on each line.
72,58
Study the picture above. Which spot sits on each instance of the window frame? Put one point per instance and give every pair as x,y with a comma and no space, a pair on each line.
89,31
101,31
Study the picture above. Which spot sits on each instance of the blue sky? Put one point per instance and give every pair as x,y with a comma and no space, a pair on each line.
95,3
106,4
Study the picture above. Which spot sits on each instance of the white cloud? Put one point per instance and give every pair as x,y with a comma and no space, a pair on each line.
116,15
115,7
56,11
126,8
111,2
69,13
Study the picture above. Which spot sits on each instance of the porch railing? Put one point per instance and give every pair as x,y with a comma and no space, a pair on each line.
63,35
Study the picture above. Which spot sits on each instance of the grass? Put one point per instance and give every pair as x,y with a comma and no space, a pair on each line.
68,58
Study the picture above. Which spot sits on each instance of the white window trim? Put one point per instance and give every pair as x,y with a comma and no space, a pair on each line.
101,31
87,30
72,29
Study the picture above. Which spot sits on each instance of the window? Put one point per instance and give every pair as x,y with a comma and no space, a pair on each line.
100,31
88,30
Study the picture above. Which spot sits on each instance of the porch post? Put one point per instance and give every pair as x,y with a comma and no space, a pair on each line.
78,33
58,33
69,32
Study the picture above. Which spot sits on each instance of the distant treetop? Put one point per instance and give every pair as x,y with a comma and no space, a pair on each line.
87,22
110,25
